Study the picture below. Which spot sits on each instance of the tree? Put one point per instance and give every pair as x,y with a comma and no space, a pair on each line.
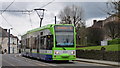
112,29
113,8
94,36
74,15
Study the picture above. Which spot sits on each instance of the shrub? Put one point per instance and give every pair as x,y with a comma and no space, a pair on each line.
114,41
91,44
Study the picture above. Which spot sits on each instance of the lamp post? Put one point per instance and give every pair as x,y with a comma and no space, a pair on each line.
9,40
40,16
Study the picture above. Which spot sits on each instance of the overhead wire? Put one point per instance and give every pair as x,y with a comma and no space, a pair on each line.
29,15
5,18
47,4
8,6
9,24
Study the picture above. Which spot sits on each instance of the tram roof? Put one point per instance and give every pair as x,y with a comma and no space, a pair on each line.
44,27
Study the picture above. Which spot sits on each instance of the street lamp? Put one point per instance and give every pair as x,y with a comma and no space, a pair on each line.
9,40
40,15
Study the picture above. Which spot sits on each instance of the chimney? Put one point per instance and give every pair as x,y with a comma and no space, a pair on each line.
94,21
5,30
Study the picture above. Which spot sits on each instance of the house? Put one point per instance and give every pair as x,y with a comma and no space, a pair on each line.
101,24
13,44
4,42
3,38
97,24
111,18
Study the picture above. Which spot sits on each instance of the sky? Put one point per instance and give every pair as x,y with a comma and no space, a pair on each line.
22,22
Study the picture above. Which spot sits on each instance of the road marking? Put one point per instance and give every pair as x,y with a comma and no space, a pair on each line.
50,64
40,64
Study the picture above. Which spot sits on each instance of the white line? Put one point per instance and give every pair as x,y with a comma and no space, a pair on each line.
50,64
40,64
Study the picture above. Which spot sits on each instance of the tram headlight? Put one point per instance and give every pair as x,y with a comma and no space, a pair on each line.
56,52
73,52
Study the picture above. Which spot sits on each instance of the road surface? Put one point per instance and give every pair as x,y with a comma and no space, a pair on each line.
18,60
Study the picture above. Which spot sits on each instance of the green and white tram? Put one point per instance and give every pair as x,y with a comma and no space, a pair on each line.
51,42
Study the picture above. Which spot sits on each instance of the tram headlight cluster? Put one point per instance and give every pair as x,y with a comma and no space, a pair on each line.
56,52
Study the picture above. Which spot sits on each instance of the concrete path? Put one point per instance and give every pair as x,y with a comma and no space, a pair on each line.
99,62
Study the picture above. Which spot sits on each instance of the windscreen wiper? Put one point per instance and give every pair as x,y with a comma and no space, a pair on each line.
63,48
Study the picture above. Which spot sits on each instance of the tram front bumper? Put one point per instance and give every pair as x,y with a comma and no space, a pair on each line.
64,57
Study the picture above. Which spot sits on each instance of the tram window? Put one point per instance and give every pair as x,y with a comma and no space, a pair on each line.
34,45
41,33
27,43
37,47
31,43
43,42
37,42
49,42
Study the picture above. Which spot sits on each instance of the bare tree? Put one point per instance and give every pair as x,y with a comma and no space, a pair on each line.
112,29
72,15
113,8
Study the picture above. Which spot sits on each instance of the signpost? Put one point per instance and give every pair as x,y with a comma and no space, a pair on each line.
104,43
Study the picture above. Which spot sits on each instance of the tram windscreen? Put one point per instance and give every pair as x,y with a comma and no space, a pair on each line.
64,36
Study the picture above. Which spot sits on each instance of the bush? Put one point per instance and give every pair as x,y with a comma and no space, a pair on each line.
99,55
114,41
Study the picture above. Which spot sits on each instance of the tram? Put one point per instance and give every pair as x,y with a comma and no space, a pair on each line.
50,42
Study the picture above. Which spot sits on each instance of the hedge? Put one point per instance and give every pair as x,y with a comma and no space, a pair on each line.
114,41
99,55
115,47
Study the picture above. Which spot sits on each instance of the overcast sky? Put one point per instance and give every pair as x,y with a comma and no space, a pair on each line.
21,21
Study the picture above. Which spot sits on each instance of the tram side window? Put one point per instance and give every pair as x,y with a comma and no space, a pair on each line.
27,43
43,42
23,45
34,43
49,42
37,42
